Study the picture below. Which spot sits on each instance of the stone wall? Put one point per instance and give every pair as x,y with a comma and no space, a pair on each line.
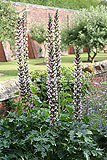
2,53
96,68
8,89
37,14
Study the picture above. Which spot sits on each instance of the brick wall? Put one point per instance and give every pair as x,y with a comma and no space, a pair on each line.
97,79
2,53
39,13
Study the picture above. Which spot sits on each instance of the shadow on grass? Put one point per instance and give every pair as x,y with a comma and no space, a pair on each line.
12,62
68,59
72,59
8,73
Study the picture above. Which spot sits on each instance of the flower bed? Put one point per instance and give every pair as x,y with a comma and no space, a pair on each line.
63,117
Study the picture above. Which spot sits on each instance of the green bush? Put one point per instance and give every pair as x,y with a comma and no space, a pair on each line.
8,18
38,33
88,29
95,105
29,136
39,85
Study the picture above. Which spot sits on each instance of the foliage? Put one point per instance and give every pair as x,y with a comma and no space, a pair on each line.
95,105
88,30
103,2
101,139
38,33
39,83
74,4
8,19
29,136
77,144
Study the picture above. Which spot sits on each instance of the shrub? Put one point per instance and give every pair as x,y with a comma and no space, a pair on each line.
39,83
30,137
8,19
38,33
95,106
88,29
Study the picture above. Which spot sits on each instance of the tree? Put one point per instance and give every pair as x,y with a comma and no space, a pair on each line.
69,4
80,4
103,2
88,30
8,19
39,34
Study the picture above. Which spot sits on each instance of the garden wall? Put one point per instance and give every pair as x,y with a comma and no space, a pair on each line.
2,54
39,14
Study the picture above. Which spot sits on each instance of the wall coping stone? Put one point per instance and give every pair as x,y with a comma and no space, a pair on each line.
97,67
8,89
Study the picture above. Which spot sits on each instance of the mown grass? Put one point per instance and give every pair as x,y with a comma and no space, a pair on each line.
9,69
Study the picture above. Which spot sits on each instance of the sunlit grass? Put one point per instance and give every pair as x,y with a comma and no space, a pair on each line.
9,69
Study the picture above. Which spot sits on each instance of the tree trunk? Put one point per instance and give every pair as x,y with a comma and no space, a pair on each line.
92,58
45,52
89,56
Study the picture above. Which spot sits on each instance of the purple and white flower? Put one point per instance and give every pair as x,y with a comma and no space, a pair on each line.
21,46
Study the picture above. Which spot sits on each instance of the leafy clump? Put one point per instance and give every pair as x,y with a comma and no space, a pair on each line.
8,17
29,136
67,82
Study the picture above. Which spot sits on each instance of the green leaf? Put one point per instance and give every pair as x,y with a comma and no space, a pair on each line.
63,117
44,154
72,133
79,134
86,155
70,109
17,93
37,99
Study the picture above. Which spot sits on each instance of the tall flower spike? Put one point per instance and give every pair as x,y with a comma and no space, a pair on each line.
57,49
51,75
27,74
77,102
23,70
20,66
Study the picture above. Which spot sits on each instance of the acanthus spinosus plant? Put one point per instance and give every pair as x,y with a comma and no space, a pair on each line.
57,49
21,46
52,92
77,99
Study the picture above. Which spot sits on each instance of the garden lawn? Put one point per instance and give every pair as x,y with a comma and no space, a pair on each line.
9,69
